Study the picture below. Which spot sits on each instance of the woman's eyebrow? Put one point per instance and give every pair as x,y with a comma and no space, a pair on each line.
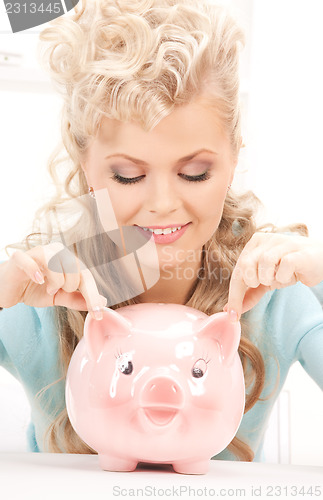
143,163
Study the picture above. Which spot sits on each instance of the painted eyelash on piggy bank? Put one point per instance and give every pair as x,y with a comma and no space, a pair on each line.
157,383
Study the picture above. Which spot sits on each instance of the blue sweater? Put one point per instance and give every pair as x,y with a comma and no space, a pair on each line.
286,325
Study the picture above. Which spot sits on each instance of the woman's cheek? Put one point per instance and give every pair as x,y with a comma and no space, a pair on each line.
125,205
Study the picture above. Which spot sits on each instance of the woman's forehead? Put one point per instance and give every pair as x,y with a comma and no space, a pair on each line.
190,122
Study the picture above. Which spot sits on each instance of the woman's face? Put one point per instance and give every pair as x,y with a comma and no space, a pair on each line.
176,175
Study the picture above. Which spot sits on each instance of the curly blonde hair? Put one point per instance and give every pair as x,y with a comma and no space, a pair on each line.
137,60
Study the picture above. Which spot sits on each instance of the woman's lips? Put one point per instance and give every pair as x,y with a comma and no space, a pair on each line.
164,238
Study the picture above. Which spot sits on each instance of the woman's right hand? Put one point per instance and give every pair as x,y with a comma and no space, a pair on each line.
26,278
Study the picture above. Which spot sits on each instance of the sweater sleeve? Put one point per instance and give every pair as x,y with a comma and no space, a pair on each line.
18,332
29,350
318,292
29,346
294,318
310,347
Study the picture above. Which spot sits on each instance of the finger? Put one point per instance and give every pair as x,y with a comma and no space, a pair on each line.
267,264
72,300
237,290
253,264
247,263
81,282
253,296
64,268
259,266
27,265
43,255
249,270
270,261
256,240
72,282
267,259
91,294
19,270
289,266
70,266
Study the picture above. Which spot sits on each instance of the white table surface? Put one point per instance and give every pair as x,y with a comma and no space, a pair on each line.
49,476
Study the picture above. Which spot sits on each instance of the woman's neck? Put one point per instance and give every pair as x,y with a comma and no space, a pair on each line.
174,285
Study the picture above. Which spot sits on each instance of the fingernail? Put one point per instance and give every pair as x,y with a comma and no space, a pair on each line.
97,313
39,278
233,315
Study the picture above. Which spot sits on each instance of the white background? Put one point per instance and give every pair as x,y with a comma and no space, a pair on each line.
282,82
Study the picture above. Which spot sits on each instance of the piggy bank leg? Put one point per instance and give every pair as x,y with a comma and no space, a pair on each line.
196,467
116,464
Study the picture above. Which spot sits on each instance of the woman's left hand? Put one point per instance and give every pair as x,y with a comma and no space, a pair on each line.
270,261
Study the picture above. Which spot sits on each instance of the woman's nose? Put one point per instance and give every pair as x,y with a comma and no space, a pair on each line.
162,196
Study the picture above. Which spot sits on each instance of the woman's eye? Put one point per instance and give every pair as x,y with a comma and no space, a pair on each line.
126,180
132,180
196,178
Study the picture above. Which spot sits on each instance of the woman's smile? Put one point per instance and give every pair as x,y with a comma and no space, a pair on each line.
164,234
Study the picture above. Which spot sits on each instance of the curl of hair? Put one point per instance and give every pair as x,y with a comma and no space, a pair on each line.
137,60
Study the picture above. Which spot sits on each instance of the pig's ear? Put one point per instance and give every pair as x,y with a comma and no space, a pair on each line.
96,331
219,328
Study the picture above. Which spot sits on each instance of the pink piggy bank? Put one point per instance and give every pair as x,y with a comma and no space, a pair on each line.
157,383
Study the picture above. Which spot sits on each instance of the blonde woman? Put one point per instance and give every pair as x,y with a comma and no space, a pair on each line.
151,129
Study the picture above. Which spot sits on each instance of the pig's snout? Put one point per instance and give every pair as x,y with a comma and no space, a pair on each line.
161,399
162,391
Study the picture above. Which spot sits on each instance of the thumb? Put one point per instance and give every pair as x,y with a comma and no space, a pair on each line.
253,296
74,300
71,300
